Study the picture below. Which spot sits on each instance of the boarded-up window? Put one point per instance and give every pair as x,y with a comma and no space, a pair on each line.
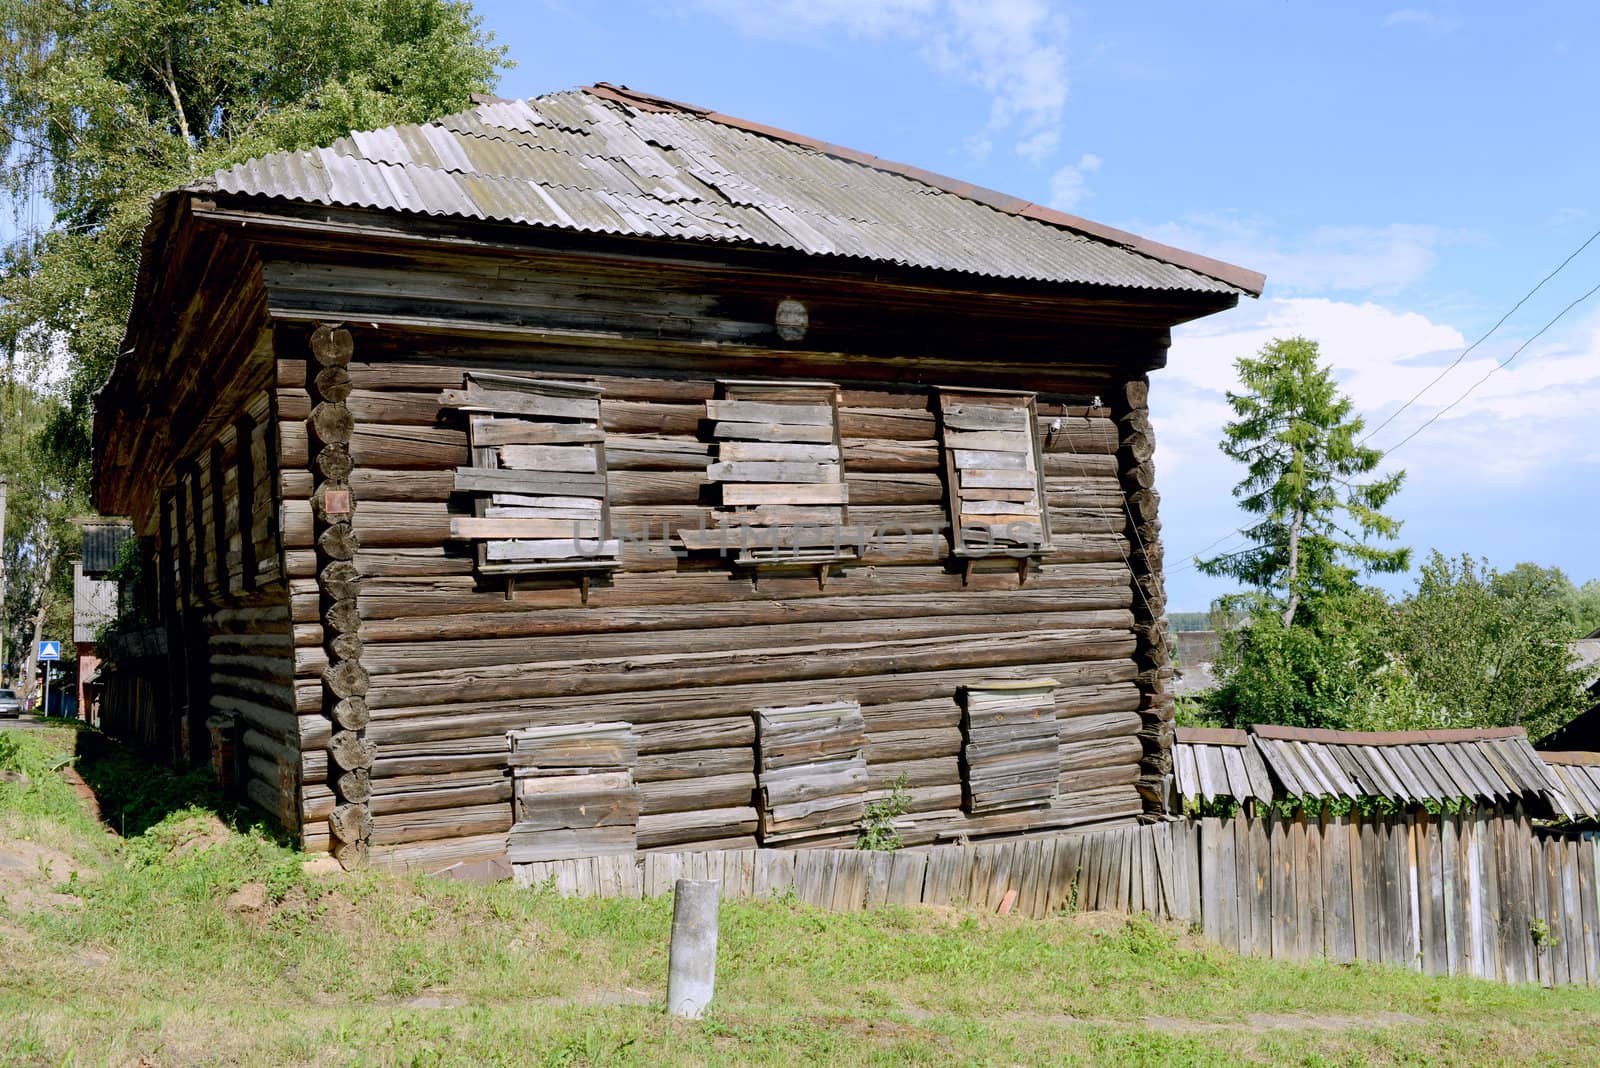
812,771
538,475
573,793
996,481
778,465
1010,753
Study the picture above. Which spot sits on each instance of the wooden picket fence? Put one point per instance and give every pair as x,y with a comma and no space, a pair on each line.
1127,869
1482,894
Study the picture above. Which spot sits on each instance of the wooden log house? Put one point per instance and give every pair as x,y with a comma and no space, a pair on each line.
762,464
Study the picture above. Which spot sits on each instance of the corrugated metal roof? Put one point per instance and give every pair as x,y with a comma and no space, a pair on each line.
603,161
1491,766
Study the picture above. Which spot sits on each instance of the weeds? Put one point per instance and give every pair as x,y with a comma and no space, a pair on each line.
877,820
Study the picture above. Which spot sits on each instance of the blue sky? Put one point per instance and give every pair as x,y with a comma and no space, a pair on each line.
1403,175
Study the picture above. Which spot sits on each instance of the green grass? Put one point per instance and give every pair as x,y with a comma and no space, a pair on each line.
140,960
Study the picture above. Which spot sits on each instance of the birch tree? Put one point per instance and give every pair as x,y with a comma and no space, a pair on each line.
104,103
40,537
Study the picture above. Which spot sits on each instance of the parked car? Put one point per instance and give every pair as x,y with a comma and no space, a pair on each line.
10,705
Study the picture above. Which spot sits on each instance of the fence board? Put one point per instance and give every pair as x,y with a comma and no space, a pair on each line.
1315,935
1300,881
1339,930
1150,875
1546,856
1571,912
1449,883
1449,894
1210,880
1282,889
1064,877
1416,892
1228,889
1430,904
1396,901
1586,846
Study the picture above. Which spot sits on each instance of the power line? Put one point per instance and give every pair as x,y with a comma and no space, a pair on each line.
1503,363
1452,366
1464,352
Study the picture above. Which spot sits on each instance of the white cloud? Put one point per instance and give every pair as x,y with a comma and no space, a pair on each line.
1431,21
1366,259
1522,420
1069,185
1524,436
1014,50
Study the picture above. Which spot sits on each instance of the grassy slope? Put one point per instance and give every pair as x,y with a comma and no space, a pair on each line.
144,961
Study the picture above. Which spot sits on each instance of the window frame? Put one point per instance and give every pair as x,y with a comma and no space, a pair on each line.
951,396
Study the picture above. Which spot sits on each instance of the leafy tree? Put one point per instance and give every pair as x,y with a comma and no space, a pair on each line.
1298,438
1581,604
1468,647
104,103
39,535
1487,649
1333,668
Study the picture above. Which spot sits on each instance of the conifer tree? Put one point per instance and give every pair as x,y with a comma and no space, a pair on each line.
1299,439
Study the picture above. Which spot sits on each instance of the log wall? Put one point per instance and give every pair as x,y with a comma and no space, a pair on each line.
684,646
228,667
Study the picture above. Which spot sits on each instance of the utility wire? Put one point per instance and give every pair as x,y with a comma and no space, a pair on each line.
1503,363
1562,314
1466,351
1191,557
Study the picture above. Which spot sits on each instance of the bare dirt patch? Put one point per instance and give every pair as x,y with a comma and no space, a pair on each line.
199,832
30,872
249,901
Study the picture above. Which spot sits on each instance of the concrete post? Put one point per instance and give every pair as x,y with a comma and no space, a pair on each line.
692,962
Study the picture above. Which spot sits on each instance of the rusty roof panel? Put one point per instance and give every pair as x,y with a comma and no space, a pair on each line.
614,161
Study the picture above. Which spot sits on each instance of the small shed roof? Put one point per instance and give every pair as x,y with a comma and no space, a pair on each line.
1489,766
607,159
1213,764
1579,774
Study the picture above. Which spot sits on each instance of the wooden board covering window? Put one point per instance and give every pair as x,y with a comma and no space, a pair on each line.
780,467
573,793
1010,755
811,770
538,475
996,479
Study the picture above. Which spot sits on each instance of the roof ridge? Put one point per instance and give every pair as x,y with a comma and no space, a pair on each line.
1250,281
